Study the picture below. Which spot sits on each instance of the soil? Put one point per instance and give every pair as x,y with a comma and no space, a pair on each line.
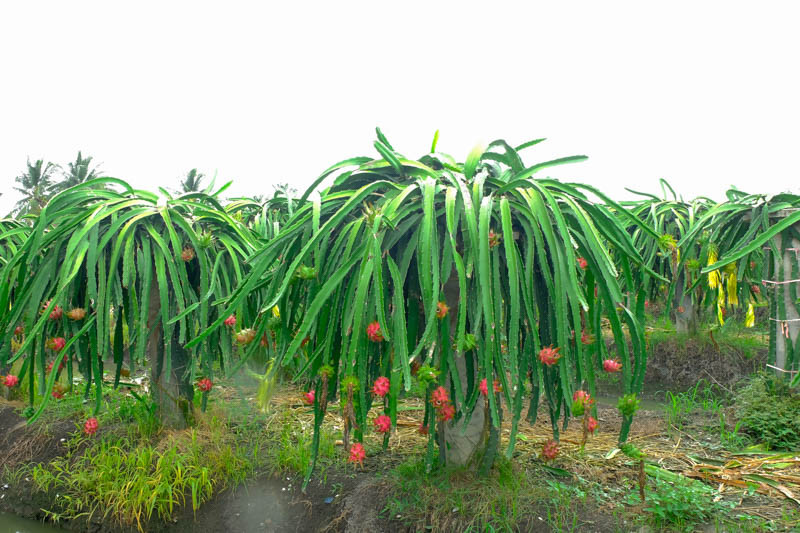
679,364
342,501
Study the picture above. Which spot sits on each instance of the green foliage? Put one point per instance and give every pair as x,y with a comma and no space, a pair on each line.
769,411
392,237
288,446
455,499
679,502
130,482
114,247
697,238
680,405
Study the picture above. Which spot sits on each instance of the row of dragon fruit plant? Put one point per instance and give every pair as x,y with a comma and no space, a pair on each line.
486,282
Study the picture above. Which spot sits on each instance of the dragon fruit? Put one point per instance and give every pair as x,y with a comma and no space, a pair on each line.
90,427
50,366
19,331
550,450
583,263
56,313
586,337
357,454
483,387
591,424
246,336
76,314
309,397
187,254
439,397
628,404
205,385
580,401
374,332
56,344
611,365
381,386
446,412
549,355
422,429
383,424
494,238
441,310
230,321
11,381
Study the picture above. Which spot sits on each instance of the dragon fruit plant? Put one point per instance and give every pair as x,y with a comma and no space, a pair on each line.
110,267
395,242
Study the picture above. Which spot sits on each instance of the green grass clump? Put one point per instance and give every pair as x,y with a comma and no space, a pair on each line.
769,411
457,499
288,448
680,405
130,481
677,502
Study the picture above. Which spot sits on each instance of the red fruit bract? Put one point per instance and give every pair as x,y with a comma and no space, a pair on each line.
549,355
230,321
550,450
309,397
357,454
56,313
583,397
591,424
439,397
381,386
612,365
383,424
494,238
446,412
441,310
11,381
56,344
205,384
90,427
374,332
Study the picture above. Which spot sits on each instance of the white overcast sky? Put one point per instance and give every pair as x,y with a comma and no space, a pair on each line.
704,94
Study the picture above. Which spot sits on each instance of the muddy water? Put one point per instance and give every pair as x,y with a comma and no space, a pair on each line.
13,524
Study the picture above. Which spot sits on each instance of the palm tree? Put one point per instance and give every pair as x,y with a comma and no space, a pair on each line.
79,172
35,184
192,181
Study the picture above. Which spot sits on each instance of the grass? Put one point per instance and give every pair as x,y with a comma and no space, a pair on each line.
133,470
513,497
679,406
288,448
730,338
